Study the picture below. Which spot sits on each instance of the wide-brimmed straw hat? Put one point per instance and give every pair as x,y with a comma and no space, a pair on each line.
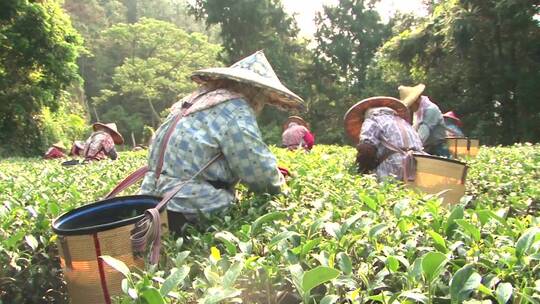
454,117
409,95
254,70
111,128
59,145
354,118
297,119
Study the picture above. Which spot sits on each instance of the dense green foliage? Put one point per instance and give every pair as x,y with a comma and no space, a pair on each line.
478,58
38,52
332,234
147,66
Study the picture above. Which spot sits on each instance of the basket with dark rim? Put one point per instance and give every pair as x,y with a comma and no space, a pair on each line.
94,230
463,146
122,227
440,175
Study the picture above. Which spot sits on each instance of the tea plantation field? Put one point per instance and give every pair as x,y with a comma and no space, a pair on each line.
332,237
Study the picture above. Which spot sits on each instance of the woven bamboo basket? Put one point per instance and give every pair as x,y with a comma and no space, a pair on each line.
94,230
436,174
462,146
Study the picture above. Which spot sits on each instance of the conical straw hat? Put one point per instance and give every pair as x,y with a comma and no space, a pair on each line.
409,95
59,145
111,128
257,71
354,118
297,119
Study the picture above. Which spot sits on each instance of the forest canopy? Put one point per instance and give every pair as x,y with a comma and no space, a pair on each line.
67,64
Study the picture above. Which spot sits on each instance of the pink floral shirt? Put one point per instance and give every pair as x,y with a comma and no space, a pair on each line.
98,146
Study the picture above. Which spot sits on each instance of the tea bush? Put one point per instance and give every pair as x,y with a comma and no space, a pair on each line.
332,236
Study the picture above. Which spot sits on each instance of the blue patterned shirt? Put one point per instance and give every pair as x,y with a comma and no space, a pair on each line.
229,127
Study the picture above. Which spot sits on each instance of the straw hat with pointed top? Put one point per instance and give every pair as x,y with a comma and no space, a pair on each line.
297,119
59,145
354,118
257,71
111,129
409,95
454,117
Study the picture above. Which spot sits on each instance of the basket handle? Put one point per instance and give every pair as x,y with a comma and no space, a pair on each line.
128,181
148,229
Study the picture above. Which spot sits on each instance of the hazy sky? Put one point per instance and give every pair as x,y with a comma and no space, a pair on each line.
305,10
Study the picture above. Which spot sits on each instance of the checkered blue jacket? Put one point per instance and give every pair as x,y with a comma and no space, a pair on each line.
229,127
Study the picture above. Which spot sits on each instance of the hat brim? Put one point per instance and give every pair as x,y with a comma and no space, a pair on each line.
279,95
59,145
117,137
413,95
354,118
454,118
297,119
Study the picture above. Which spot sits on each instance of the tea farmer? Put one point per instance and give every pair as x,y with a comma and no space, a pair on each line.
77,149
427,119
385,141
219,117
453,125
101,143
296,134
56,151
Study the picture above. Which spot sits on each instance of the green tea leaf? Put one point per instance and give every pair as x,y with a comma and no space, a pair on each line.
464,281
450,225
176,276
376,230
503,292
329,299
438,241
31,241
297,274
282,236
392,263
344,263
215,295
152,296
432,265
469,229
229,240
370,202
318,276
414,296
526,240
333,229
116,264
306,248
267,218
232,274
180,257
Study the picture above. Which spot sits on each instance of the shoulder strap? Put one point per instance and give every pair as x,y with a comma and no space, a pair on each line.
187,104
165,142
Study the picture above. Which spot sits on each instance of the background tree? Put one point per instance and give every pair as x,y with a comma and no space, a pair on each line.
94,16
152,62
478,58
38,52
348,35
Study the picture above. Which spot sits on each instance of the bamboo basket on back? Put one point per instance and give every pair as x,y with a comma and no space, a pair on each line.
435,175
463,146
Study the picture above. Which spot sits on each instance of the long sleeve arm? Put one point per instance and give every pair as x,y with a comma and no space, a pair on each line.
429,122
